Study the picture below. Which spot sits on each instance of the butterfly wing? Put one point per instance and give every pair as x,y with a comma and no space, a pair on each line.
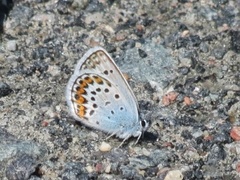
98,61
99,96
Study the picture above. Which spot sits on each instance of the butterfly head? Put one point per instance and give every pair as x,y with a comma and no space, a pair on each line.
135,130
144,124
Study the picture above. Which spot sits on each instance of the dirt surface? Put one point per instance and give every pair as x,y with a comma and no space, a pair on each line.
183,63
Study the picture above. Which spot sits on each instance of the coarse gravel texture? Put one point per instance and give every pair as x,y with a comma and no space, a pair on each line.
183,60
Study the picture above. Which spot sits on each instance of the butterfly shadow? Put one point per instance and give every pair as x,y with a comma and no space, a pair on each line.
145,137
149,137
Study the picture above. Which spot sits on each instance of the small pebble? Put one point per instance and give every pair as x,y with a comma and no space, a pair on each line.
187,101
235,133
238,167
174,174
11,45
4,89
185,33
89,169
99,167
105,147
120,36
169,98
219,52
142,53
108,168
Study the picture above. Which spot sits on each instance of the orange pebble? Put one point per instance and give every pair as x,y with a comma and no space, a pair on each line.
187,101
169,98
235,133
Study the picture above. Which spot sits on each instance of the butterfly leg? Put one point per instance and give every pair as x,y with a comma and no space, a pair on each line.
138,138
124,140
111,135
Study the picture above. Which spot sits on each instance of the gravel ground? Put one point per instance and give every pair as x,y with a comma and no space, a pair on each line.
183,60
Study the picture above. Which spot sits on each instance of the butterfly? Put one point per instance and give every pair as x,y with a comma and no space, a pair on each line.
99,97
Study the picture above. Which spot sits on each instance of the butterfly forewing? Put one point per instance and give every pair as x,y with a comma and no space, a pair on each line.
98,61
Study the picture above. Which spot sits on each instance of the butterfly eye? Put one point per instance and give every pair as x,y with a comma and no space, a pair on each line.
144,124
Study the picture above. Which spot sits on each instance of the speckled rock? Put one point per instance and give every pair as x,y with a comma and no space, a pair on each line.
21,168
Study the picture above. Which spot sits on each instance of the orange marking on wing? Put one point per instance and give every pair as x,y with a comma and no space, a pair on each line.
83,84
82,111
88,80
81,100
82,108
81,91
98,79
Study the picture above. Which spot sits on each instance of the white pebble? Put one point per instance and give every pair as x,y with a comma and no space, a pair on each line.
11,45
105,147
174,174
